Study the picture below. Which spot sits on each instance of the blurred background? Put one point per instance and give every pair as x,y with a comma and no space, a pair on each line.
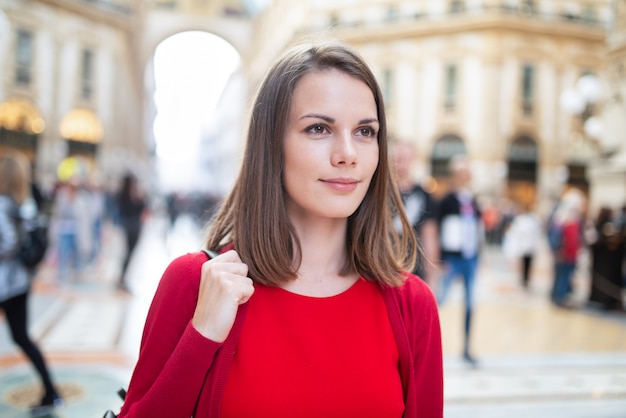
533,92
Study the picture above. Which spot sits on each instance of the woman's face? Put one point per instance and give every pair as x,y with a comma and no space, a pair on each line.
330,145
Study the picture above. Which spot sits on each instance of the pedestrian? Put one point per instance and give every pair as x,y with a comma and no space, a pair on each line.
308,309
607,260
132,212
461,235
565,236
96,203
621,225
15,278
420,208
70,216
522,239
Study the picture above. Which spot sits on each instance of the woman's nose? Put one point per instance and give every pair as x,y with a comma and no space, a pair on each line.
344,150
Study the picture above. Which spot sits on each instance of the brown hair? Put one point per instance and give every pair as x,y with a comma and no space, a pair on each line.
253,216
15,176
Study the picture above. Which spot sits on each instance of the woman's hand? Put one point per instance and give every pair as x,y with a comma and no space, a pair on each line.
224,286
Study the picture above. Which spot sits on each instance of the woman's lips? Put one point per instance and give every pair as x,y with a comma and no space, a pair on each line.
341,184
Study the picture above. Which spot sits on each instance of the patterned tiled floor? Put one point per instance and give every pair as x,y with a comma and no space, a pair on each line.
534,360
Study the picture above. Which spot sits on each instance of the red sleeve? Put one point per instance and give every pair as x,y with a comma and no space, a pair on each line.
174,358
421,317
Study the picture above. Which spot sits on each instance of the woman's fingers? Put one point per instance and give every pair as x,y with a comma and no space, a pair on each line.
224,286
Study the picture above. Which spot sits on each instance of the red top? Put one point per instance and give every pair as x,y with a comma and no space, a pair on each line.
180,373
315,357
571,241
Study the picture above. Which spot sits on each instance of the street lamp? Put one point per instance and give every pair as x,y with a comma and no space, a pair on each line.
583,101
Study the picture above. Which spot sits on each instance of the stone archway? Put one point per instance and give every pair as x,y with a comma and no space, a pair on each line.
160,26
196,127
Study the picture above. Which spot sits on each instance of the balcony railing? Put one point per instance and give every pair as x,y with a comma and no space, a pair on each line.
113,8
463,13
110,5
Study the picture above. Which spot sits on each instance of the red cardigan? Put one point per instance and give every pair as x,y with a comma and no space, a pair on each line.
180,373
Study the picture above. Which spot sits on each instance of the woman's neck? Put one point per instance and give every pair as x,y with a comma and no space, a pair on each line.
323,246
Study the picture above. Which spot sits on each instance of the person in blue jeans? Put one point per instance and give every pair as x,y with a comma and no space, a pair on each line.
461,235
68,212
566,239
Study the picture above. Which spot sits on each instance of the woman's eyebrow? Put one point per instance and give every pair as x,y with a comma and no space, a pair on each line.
332,120
318,116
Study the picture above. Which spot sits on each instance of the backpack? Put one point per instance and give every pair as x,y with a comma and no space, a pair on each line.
34,245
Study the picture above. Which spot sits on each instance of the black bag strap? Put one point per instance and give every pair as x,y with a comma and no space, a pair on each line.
110,414
210,253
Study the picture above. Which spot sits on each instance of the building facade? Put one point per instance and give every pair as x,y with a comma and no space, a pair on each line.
70,85
478,77
461,76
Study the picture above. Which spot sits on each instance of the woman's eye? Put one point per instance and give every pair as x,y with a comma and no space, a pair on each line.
367,131
317,129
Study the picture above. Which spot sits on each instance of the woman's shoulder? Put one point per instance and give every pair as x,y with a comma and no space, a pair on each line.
188,261
413,301
187,267
415,285
412,290
181,278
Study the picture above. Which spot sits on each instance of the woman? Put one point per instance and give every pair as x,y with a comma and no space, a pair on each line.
14,277
131,209
522,239
308,310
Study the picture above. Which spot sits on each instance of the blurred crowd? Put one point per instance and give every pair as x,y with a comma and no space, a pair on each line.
454,226
452,229
79,209
571,232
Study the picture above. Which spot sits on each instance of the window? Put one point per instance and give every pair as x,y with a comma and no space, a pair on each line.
23,57
528,81
86,74
392,14
457,6
589,14
451,77
523,159
165,4
528,7
445,148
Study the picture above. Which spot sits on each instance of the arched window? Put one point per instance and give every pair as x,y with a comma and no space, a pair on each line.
20,125
523,157
82,130
445,148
